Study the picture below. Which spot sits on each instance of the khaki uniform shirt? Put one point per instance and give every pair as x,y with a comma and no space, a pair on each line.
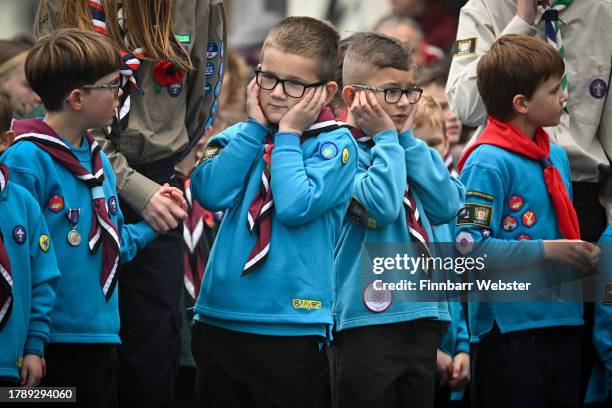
586,31
161,124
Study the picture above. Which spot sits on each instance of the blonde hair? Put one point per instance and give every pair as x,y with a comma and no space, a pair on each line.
429,113
148,24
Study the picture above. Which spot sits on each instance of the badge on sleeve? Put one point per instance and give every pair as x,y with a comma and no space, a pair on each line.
529,218
523,237
479,194
56,203
210,68
19,234
475,214
345,155
516,202
211,151
465,47
464,242
509,223
598,88
328,150
44,242
211,50
485,232
112,205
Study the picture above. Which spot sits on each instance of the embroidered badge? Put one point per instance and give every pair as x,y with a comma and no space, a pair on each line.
516,202
112,205
19,234
509,223
210,68
464,47
211,50
529,218
207,89
183,38
306,304
44,242
211,151
377,301
175,90
345,155
485,232
328,150
598,88
479,194
464,242
475,214
523,237
56,203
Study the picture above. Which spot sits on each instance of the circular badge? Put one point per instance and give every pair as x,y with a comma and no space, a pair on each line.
112,206
19,234
464,242
377,301
207,89
175,90
210,68
345,155
509,223
529,218
211,50
56,203
44,242
328,150
523,237
516,202
598,88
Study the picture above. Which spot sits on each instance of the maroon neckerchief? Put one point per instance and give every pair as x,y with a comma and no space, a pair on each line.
6,278
103,230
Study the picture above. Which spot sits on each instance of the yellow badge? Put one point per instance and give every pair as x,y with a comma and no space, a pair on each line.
19,362
306,304
345,155
44,242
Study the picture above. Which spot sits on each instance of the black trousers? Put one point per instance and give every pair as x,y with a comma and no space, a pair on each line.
149,306
88,367
530,369
248,370
389,365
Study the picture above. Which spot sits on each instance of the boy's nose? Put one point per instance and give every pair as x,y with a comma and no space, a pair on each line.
278,91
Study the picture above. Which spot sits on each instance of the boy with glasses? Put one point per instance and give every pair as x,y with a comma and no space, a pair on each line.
76,73
284,179
384,351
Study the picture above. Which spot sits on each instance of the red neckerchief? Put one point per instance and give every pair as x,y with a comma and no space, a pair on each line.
510,137
6,278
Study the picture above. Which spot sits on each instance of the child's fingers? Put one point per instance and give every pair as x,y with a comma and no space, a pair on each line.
23,375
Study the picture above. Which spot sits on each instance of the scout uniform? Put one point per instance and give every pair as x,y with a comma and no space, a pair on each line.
75,188
268,284
401,188
158,128
28,276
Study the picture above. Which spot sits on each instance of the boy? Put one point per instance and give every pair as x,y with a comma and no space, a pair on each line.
76,75
386,349
518,189
283,179
453,359
28,274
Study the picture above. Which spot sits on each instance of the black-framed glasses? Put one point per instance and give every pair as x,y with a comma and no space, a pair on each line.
114,86
393,95
291,87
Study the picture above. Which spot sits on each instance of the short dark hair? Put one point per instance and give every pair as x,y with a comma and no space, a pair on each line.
68,59
515,65
6,111
377,50
307,37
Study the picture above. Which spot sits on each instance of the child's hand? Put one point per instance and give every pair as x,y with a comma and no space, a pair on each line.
444,365
253,107
305,112
408,124
576,253
174,194
459,373
32,370
162,212
370,116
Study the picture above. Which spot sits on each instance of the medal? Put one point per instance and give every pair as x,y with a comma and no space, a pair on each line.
74,237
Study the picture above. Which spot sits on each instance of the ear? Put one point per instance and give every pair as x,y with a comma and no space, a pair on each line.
331,87
348,95
520,104
75,99
6,139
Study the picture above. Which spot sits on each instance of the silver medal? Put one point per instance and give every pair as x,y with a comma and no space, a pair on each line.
74,238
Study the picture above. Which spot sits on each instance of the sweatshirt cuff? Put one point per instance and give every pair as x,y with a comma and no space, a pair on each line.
286,139
35,345
146,232
519,26
255,129
462,347
386,137
407,139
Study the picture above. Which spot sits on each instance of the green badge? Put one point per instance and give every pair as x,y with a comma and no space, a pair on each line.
475,214
328,150
183,38
44,242
479,194
465,47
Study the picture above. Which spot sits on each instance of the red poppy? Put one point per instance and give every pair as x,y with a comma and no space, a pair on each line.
167,73
268,154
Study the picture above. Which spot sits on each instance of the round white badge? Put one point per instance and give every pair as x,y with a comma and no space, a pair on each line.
377,300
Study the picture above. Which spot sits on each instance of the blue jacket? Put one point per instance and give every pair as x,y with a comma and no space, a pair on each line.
81,314
600,385
34,272
379,187
291,292
516,215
